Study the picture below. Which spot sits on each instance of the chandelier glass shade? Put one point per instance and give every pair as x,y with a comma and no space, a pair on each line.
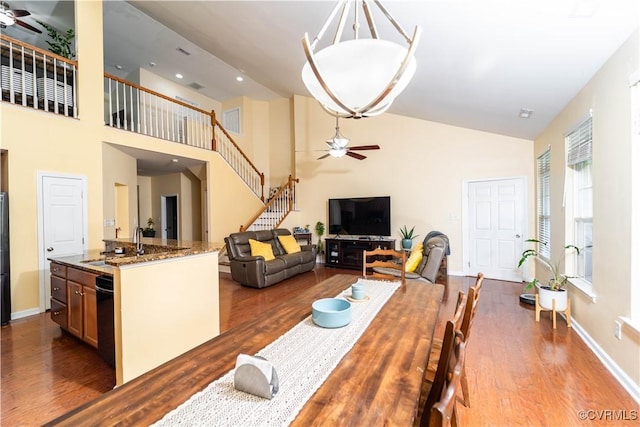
360,77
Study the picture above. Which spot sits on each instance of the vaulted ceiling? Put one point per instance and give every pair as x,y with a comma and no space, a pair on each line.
479,62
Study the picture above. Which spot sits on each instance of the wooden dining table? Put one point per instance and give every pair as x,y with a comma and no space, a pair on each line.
377,382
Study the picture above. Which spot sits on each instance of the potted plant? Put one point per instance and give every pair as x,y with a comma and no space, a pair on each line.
554,290
60,44
320,232
149,231
407,236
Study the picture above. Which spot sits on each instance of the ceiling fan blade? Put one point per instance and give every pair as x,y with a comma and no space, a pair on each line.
356,155
18,13
325,156
365,147
27,26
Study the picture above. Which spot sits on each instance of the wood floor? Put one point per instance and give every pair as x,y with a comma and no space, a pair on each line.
520,372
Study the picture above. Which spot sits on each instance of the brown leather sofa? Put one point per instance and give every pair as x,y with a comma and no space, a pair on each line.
254,271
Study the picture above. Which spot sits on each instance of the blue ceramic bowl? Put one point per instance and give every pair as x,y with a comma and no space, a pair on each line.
331,312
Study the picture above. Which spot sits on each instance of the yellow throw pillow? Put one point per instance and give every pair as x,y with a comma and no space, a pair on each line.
289,244
261,249
414,259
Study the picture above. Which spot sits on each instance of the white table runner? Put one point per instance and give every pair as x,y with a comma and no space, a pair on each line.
303,358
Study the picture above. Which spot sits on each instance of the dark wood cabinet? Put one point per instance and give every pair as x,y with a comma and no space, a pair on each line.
347,253
59,294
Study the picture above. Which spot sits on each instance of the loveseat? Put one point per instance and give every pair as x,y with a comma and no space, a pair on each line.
255,270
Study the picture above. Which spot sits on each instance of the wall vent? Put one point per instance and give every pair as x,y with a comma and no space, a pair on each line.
231,120
181,50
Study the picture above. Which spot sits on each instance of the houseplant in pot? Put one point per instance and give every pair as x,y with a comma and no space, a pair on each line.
320,232
554,289
407,236
149,231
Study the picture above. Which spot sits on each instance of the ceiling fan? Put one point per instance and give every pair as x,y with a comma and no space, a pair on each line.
338,146
10,16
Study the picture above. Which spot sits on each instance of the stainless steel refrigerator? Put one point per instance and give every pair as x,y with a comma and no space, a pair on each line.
5,276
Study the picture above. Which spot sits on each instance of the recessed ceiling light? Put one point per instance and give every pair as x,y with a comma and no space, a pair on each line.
179,75
152,64
119,67
240,78
175,160
525,113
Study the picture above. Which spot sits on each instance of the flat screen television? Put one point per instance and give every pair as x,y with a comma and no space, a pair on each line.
360,216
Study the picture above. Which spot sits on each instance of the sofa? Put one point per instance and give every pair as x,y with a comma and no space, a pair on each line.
256,271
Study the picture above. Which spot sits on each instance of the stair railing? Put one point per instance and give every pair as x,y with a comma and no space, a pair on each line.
276,209
224,144
138,109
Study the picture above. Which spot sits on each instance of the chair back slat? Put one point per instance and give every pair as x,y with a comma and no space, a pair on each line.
387,259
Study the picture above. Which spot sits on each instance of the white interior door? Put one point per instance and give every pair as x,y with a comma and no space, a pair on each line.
496,227
62,217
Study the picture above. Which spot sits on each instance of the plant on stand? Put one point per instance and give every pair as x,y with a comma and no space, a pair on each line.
555,285
320,232
407,236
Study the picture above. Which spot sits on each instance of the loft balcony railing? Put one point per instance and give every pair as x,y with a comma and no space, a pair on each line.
137,109
36,78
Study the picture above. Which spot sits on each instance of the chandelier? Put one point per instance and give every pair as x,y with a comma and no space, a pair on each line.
360,77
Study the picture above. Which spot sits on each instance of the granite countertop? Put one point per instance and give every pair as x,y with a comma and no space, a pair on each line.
155,250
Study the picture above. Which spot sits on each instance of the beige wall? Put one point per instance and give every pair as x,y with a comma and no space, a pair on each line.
176,91
421,165
281,148
608,95
118,169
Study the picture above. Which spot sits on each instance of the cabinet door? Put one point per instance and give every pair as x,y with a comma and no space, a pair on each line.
90,316
75,309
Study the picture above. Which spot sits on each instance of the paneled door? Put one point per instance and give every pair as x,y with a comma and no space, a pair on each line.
62,220
496,227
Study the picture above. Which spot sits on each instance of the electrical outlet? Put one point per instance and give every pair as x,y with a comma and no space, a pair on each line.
618,330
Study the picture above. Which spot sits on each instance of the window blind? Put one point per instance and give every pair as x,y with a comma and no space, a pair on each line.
544,202
579,143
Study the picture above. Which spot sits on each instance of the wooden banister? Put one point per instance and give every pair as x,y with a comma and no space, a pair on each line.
288,186
40,51
224,131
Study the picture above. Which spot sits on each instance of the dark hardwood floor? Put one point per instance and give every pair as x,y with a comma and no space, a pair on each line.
520,372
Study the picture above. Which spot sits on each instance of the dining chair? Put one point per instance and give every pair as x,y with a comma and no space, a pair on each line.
451,341
443,413
386,258
469,313
436,344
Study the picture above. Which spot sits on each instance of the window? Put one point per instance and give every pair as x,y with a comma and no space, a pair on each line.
231,120
579,197
544,203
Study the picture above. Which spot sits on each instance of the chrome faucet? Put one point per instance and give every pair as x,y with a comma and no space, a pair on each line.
137,240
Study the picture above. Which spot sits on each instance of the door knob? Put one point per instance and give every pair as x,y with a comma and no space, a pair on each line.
517,236
49,249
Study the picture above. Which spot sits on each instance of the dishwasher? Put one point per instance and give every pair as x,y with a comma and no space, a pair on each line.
104,299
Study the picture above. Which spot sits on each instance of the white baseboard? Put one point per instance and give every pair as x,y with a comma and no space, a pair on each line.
455,273
24,313
625,380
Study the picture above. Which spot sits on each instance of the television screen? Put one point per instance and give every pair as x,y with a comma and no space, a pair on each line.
360,216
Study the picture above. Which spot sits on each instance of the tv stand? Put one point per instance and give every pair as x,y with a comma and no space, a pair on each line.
347,253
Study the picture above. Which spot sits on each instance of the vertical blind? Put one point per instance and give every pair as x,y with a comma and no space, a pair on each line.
544,202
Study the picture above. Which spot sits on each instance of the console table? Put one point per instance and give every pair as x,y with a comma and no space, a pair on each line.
347,253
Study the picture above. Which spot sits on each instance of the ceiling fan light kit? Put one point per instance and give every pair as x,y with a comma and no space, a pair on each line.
10,17
360,77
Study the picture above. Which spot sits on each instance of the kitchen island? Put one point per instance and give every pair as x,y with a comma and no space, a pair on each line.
165,301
